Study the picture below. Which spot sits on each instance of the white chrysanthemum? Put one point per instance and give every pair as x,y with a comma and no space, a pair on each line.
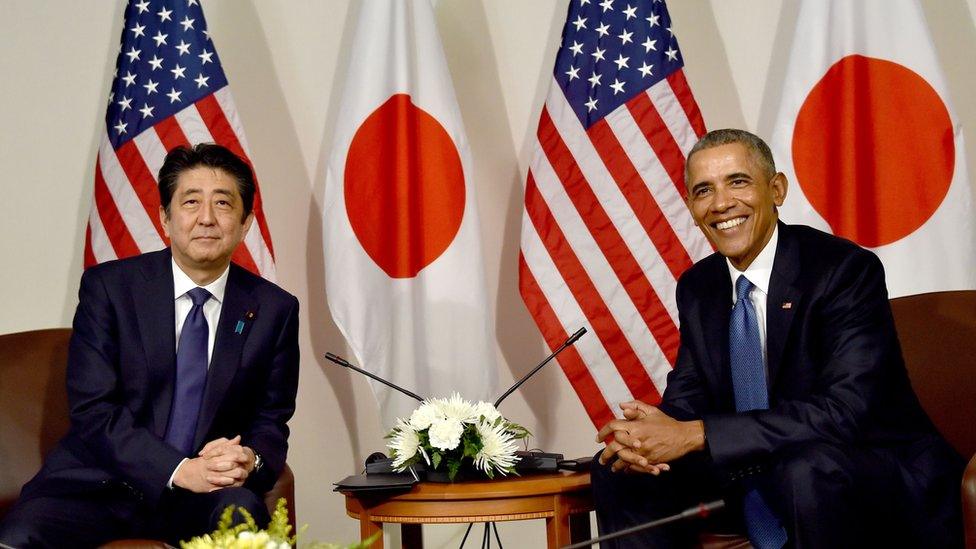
455,407
405,443
445,433
498,447
486,410
423,416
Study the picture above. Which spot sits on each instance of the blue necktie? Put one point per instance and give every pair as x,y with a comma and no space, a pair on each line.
191,375
749,384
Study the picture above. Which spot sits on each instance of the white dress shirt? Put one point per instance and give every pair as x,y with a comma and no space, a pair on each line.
211,309
758,272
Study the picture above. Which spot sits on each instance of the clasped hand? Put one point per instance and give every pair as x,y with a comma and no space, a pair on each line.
222,463
647,439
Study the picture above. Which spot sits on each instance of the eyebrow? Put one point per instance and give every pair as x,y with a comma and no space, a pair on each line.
194,190
738,175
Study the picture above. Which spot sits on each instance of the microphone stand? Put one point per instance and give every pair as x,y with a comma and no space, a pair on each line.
702,511
345,363
572,339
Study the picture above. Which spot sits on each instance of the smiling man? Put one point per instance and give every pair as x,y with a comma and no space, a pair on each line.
789,398
182,374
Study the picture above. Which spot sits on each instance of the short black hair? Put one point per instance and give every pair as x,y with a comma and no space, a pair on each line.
184,158
715,138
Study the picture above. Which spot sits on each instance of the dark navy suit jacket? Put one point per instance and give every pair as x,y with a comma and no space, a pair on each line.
122,368
835,368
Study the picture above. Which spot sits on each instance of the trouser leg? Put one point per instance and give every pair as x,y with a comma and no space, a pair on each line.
73,520
183,515
828,496
624,500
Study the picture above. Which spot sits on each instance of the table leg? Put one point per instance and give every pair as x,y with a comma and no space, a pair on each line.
368,528
411,536
557,529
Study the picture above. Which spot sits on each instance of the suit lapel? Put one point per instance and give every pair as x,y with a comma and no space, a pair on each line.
782,302
716,308
155,314
236,314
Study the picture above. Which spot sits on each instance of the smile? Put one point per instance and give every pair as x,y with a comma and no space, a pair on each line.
726,225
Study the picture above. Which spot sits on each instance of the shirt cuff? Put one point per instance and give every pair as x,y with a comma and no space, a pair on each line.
169,483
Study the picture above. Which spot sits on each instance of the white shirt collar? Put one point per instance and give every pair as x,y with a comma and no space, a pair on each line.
761,268
183,283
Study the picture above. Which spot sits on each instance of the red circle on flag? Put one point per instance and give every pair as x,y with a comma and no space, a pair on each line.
873,150
404,187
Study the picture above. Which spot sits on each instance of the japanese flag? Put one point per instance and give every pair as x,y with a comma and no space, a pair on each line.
404,271
867,137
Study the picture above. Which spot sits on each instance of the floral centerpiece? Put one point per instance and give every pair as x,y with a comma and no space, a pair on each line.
452,434
247,535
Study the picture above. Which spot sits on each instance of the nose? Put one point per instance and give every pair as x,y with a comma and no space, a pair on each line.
206,214
723,199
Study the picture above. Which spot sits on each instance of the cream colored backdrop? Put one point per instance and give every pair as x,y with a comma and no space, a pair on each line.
285,61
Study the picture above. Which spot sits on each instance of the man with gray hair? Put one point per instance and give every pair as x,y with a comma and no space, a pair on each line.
789,398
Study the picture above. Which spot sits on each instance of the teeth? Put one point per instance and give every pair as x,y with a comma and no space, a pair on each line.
723,225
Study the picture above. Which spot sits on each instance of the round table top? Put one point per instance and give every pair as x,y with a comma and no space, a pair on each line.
497,488
507,498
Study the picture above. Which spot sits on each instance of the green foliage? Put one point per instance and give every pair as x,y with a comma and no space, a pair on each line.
247,535
453,466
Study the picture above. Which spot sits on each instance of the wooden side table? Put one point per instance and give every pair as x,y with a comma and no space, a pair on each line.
563,499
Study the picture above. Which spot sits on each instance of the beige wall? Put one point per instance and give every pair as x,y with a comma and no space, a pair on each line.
285,61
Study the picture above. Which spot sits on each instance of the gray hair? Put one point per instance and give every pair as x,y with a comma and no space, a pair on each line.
715,138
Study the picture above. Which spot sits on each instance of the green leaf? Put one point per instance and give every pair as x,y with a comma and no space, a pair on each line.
435,459
452,468
472,447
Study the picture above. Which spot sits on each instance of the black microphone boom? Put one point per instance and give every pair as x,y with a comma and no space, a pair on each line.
345,363
572,339
701,511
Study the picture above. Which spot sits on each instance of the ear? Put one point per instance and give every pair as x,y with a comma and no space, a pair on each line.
164,221
247,224
779,185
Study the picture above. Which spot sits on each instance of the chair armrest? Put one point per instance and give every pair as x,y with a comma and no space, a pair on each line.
969,503
283,488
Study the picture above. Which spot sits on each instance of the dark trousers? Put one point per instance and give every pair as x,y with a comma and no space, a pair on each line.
89,516
824,495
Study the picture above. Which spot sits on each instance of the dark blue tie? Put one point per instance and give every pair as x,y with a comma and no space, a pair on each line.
191,375
749,383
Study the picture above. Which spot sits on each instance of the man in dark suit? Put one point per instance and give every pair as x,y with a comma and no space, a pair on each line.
789,397
182,374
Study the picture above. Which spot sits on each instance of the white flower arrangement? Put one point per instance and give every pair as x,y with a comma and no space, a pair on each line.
451,433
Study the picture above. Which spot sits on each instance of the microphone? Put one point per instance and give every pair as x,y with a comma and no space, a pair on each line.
345,363
572,339
701,511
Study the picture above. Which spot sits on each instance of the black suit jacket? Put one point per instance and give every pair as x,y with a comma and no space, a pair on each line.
122,369
835,369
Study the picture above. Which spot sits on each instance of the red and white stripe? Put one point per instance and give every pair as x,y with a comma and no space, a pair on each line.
124,219
605,236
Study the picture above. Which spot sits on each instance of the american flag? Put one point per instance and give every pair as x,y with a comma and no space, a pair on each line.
605,231
168,89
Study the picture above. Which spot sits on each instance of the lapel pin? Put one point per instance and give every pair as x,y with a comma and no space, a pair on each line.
239,329
787,305
249,315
